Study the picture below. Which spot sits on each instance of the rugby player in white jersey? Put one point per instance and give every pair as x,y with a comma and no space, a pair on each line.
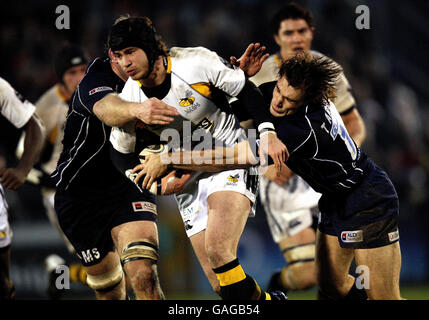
289,202
21,114
214,207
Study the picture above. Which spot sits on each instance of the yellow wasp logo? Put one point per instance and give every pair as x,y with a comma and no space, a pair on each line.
233,179
186,102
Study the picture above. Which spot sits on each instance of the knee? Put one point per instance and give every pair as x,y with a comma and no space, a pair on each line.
142,274
301,276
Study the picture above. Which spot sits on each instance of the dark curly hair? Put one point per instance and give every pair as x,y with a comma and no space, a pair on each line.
315,76
290,11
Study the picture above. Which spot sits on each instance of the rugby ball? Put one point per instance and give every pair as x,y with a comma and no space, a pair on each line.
173,181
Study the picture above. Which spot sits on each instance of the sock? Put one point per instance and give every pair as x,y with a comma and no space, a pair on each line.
77,273
236,285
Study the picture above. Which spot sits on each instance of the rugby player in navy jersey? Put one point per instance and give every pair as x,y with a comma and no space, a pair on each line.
109,222
359,206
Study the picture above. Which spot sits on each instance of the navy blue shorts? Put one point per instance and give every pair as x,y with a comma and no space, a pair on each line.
87,221
366,217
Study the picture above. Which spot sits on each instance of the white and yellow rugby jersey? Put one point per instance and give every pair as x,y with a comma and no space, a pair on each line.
269,72
52,108
195,73
13,106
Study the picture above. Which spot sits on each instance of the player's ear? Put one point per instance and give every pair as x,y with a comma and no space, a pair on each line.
277,39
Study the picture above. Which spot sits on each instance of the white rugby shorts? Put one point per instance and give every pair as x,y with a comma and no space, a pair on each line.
192,202
289,207
5,230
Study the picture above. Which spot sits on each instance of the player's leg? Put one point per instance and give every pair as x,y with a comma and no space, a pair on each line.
198,242
299,252
332,267
227,216
384,266
106,278
137,242
6,286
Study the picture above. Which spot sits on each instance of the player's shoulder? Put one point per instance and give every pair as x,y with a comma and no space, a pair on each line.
4,86
50,97
191,52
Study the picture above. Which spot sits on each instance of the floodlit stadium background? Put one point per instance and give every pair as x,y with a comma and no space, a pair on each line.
387,66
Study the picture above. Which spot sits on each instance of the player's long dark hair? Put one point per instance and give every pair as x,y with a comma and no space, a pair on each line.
315,76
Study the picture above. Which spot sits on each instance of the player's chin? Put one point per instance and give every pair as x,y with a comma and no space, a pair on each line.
277,113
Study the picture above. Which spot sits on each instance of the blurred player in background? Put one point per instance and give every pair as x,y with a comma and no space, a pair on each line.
21,114
70,64
214,207
109,222
289,202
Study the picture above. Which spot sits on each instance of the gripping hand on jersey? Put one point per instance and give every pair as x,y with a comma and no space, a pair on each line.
151,169
154,111
252,59
272,146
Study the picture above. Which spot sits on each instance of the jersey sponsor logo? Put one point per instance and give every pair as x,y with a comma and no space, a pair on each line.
99,89
189,102
393,236
352,236
144,206
2,234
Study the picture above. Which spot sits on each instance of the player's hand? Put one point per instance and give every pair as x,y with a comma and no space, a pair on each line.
12,178
155,111
150,170
252,59
280,177
272,146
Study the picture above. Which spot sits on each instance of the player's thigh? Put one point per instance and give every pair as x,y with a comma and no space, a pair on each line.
227,215
383,266
332,262
129,232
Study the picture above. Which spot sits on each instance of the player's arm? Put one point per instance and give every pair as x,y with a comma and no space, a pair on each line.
13,178
241,155
354,125
116,112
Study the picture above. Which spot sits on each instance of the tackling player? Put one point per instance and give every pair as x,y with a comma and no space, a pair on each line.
109,222
21,114
289,202
359,206
214,207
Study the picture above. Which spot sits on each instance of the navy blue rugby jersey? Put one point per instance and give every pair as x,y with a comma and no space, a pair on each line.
84,164
321,151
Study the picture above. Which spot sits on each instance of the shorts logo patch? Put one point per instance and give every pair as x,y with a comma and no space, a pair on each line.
393,236
352,236
144,206
99,89
234,178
